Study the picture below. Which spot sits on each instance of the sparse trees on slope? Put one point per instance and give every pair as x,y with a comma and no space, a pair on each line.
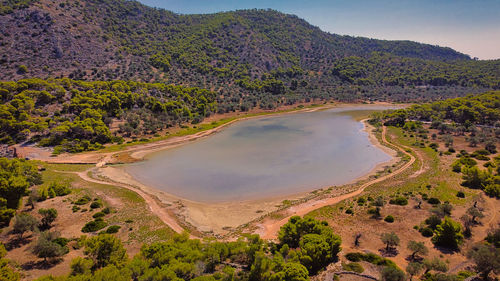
24,223
414,268
486,259
48,217
45,246
435,264
417,248
390,240
475,212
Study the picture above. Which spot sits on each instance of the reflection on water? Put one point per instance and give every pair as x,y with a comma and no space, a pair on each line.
270,156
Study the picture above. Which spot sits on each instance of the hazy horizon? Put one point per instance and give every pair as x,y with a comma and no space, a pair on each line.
470,27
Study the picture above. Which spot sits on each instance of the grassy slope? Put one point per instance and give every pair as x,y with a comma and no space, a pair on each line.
444,185
128,204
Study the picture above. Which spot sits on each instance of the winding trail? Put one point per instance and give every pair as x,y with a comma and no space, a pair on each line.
155,208
269,229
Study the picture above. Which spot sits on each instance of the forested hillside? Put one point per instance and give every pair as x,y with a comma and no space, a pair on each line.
250,57
244,59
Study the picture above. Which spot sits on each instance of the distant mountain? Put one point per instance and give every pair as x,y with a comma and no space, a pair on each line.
247,52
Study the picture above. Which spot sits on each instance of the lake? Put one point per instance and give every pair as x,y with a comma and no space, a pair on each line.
263,157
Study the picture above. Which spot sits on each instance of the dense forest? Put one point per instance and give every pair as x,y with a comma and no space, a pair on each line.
76,115
249,57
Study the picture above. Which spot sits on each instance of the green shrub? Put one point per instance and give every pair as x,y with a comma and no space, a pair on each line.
482,152
82,200
61,241
98,215
349,211
460,194
433,221
390,273
400,200
464,274
371,258
106,210
113,229
456,166
353,266
492,190
427,232
489,164
467,161
22,69
95,205
75,208
94,225
448,234
480,156
389,219
354,257
374,211
58,189
433,201
361,201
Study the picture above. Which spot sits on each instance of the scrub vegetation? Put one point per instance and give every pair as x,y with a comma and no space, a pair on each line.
81,75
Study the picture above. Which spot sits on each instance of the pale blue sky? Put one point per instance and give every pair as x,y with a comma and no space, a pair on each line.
471,27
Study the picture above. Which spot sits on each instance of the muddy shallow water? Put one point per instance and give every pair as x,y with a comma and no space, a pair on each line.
270,156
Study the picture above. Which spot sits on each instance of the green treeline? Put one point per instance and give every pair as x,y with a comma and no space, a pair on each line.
76,115
482,109
384,69
305,247
16,176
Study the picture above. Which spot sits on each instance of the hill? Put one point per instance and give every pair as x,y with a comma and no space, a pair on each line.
264,55
142,70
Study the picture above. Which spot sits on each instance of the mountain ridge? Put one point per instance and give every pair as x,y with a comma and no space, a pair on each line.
250,57
130,9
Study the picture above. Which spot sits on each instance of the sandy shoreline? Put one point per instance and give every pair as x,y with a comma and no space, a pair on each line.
215,218
221,218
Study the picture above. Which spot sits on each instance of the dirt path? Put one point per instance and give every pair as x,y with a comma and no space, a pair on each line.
269,229
155,208
101,159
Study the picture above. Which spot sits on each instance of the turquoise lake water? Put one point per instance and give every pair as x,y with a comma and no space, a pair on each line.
269,156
